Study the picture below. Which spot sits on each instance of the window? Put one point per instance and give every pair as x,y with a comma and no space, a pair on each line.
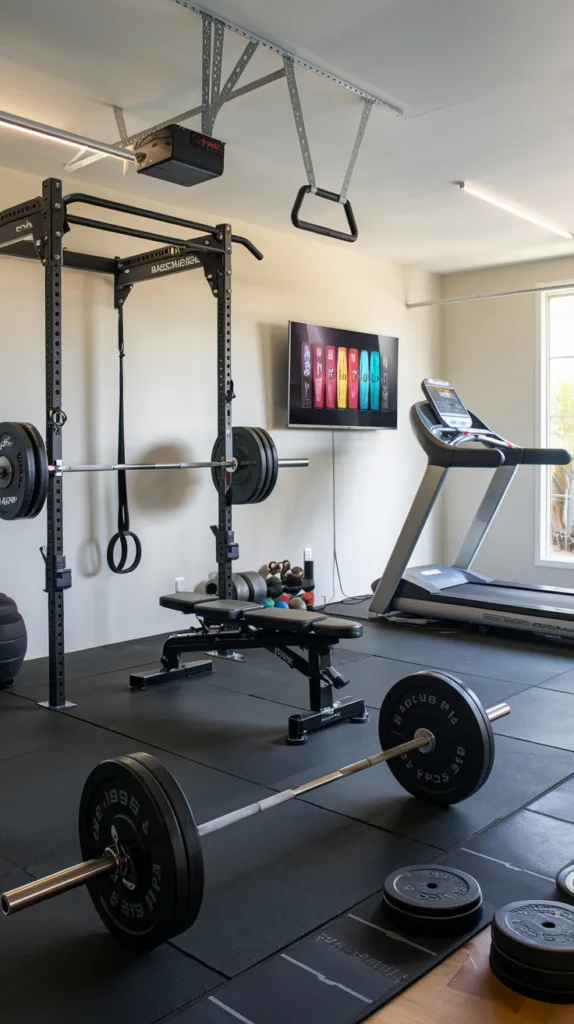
557,424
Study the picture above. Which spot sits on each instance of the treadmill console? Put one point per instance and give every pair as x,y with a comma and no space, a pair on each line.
446,404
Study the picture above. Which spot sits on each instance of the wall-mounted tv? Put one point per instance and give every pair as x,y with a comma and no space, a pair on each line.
342,379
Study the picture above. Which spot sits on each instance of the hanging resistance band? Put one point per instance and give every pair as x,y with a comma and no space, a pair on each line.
121,567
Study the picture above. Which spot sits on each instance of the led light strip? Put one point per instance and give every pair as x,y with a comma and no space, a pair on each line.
46,131
479,194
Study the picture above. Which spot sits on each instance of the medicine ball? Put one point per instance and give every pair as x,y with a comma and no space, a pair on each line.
13,640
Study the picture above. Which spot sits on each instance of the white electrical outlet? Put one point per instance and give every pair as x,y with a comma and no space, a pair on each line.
308,554
179,584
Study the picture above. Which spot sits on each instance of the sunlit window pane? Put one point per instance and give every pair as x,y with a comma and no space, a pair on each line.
561,326
560,424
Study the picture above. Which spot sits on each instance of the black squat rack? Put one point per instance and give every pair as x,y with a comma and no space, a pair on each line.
36,229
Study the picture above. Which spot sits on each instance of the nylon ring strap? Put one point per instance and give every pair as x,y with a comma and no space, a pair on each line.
121,567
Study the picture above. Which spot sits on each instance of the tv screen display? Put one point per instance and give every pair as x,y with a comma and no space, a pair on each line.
342,379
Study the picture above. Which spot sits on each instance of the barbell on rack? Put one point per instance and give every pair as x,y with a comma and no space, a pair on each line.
25,471
143,859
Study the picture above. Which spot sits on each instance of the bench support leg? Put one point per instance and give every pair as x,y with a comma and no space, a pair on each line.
349,709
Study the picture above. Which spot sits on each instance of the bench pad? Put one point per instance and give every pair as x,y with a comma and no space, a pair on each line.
185,601
335,627
287,620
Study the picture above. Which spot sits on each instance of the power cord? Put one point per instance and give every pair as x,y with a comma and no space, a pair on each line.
347,598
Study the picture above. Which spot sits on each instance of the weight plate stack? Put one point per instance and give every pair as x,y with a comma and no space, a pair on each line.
257,586
463,754
249,478
432,900
254,465
532,950
135,806
263,437
17,471
192,880
274,459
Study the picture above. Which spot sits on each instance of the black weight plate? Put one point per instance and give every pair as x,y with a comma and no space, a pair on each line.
17,489
257,470
192,887
271,453
123,802
526,975
420,924
240,587
41,464
536,933
257,586
263,435
533,990
463,754
216,454
249,477
431,890
565,881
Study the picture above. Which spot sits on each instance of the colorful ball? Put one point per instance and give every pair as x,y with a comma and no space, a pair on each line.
281,604
268,602
309,599
297,602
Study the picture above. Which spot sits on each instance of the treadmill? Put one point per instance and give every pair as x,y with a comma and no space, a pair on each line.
453,436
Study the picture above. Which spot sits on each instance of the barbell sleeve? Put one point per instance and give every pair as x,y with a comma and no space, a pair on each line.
52,885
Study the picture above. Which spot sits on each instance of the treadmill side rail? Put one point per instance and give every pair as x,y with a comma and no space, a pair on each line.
421,508
489,506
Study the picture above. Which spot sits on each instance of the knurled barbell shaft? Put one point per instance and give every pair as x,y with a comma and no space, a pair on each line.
422,738
112,468
79,874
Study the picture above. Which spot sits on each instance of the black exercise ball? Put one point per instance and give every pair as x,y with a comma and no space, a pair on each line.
13,640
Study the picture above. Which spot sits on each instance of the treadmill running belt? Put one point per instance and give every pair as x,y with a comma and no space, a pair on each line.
508,598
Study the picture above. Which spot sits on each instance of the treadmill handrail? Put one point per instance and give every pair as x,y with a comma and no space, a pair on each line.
442,454
480,433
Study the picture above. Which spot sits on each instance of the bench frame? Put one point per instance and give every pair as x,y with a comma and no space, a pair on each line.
317,667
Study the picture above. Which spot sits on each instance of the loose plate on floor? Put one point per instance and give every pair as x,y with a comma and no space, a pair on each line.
432,899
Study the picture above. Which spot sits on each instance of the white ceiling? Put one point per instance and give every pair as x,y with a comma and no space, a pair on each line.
487,90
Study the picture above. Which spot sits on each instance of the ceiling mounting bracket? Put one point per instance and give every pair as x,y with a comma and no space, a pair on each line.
299,122
300,61
311,187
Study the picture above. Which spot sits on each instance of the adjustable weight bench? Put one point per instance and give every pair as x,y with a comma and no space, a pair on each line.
236,625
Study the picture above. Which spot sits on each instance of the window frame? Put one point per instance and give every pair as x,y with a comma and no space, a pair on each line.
542,508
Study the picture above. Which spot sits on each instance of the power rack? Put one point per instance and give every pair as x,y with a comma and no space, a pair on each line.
36,229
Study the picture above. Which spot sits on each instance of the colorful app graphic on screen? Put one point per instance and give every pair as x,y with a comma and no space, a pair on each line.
353,378
342,378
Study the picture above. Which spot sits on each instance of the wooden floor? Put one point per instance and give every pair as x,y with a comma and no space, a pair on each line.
463,990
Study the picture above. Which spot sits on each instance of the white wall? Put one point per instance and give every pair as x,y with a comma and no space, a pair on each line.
490,353
171,414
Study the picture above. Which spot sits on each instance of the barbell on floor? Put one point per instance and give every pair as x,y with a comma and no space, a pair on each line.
25,471
143,860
